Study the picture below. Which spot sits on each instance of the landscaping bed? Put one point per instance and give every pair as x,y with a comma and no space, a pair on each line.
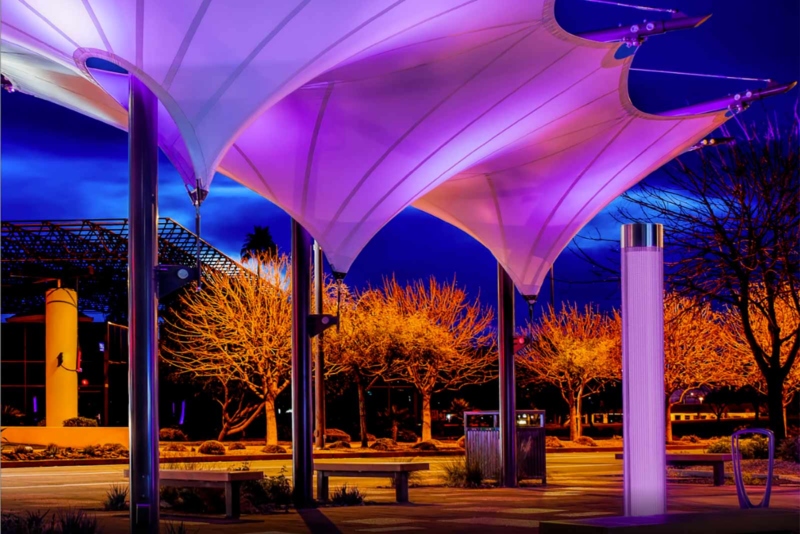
755,473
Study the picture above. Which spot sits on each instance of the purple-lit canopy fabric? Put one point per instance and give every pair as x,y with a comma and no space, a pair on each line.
514,130
528,199
213,65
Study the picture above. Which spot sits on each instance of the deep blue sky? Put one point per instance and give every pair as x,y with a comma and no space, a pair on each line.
57,164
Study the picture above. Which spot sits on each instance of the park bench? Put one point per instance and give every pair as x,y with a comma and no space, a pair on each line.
721,522
399,471
717,461
230,481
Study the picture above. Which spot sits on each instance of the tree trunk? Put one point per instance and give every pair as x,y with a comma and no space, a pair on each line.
574,415
775,405
426,416
362,412
669,421
395,428
223,432
272,422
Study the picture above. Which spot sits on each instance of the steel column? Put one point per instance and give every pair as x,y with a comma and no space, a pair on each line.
302,460
319,352
142,307
508,403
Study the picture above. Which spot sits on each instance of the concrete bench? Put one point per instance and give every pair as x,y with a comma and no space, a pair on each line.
230,481
721,522
397,470
717,461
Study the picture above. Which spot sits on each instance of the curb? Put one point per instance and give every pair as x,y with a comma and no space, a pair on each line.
288,456
232,458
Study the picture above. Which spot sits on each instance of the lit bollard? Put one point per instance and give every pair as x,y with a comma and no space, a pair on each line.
645,470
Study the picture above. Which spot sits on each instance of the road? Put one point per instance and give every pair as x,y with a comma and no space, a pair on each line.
86,486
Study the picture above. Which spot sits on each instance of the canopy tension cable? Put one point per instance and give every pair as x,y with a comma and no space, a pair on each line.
633,6
701,75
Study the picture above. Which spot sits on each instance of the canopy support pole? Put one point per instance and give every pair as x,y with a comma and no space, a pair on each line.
319,353
143,307
508,404
302,459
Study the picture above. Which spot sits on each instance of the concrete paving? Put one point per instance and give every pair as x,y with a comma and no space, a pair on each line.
579,485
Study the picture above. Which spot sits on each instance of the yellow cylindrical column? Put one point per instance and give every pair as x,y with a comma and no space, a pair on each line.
61,337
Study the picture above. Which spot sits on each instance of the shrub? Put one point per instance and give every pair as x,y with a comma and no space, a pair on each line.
172,434
690,438
115,447
173,528
175,447
347,496
212,447
334,434
586,441
371,437
193,500
244,466
273,449
553,442
462,442
236,446
52,450
430,445
73,522
461,474
270,492
338,445
756,447
116,498
90,450
27,523
80,421
384,444
23,449
406,436
789,449
720,446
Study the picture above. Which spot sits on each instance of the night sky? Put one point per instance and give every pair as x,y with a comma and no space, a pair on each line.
57,164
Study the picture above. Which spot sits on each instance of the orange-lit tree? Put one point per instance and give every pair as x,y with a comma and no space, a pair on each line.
443,341
577,351
358,350
777,327
234,336
694,355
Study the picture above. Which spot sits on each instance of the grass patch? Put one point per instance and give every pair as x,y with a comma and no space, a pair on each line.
64,522
116,498
461,474
347,496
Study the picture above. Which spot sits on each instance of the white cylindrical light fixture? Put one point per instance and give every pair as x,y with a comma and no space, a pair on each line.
644,446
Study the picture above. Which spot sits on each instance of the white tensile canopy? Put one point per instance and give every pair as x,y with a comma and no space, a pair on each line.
497,121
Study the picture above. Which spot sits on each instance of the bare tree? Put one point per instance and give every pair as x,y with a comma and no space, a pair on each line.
694,352
235,335
360,347
787,321
732,217
577,351
443,341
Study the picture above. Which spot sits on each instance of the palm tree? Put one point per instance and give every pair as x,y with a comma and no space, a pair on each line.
258,241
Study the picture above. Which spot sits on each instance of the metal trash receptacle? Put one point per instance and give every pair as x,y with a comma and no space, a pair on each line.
482,443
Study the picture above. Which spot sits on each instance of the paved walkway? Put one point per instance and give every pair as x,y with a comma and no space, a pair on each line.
580,485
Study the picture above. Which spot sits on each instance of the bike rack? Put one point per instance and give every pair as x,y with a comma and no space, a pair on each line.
741,492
